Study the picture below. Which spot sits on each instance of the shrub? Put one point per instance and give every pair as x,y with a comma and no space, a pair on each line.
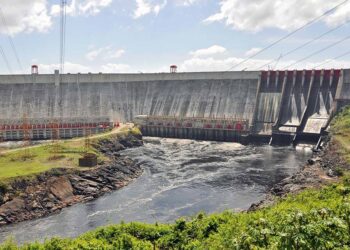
338,171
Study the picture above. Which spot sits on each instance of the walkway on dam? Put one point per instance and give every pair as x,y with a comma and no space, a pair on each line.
122,127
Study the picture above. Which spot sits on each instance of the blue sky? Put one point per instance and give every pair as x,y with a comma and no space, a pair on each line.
149,35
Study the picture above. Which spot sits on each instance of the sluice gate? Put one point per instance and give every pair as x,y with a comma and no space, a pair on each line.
200,128
276,106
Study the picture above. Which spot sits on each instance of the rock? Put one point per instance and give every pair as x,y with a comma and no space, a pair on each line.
2,221
314,160
331,173
35,205
16,204
60,187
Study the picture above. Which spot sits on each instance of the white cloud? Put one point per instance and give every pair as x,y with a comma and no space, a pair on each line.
213,50
82,7
91,55
104,53
93,7
252,51
115,68
211,64
187,2
145,7
25,16
71,67
255,15
116,54
207,60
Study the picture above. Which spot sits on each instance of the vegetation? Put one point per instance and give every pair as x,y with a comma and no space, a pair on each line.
341,132
313,219
38,159
24,162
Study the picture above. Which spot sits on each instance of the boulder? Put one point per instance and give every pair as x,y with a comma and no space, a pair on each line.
14,205
60,187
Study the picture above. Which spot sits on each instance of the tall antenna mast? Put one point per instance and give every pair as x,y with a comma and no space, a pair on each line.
63,15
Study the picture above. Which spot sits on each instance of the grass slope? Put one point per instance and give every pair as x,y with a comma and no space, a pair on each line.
341,132
64,154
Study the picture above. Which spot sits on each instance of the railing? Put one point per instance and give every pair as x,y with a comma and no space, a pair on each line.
241,125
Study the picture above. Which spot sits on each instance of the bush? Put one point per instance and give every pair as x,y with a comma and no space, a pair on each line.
338,171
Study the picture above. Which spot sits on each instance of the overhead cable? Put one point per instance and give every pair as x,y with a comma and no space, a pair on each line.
304,44
289,34
318,52
11,40
4,57
335,58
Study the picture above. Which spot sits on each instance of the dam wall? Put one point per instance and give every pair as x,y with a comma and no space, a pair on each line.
123,96
274,103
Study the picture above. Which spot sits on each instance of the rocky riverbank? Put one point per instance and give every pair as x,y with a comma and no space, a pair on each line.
49,192
326,166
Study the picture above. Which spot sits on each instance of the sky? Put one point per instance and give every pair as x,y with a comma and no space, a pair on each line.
142,36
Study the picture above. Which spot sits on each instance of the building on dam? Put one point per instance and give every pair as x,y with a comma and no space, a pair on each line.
282,105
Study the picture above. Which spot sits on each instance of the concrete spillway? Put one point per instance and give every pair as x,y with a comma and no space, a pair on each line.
286,102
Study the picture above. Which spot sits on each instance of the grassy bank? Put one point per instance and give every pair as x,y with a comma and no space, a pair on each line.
24,162
341,132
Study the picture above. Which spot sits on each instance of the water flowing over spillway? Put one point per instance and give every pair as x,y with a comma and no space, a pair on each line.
181,178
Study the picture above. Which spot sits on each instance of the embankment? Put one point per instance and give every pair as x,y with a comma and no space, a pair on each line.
49,192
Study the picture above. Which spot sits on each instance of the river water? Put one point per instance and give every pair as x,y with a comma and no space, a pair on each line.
181,178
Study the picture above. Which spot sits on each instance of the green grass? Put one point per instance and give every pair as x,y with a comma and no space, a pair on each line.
340,129
34,160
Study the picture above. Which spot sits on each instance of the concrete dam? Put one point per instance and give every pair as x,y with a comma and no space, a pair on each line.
272,105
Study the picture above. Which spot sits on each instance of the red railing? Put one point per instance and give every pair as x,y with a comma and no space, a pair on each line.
55,125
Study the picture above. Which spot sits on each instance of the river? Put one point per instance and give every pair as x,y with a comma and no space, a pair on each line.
181,178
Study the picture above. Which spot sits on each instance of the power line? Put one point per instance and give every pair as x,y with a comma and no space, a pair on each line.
11,40
335,58
289,34
318,51
305,44
2,52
